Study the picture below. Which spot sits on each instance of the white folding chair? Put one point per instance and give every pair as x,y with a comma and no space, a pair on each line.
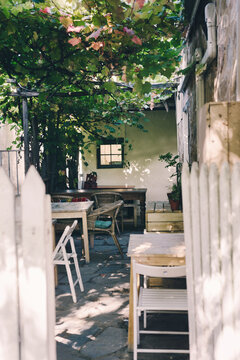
62,257
156,300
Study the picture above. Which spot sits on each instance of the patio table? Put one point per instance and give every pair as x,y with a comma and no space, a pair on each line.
153,249
127,193
74,210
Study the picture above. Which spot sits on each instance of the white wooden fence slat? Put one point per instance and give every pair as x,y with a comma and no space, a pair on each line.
32,272
189,260
235,191
223,351
196,240
214,206
204,221
9,340
207,350
216,288
226,245
51,314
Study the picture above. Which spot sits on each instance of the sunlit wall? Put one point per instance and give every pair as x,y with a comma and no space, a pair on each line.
145,170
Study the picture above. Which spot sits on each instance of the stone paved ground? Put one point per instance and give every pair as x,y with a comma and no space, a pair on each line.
96,326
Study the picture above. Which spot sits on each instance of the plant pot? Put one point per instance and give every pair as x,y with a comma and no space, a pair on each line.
173,203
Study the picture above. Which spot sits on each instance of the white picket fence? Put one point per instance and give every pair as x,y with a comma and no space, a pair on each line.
27,303
211,207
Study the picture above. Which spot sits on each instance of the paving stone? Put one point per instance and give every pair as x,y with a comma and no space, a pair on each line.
112,268
99,241
110,248
111,340
109,241
124,243
76,341
64,353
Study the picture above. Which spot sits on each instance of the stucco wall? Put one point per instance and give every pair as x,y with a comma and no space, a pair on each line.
6,136
13,166
145,170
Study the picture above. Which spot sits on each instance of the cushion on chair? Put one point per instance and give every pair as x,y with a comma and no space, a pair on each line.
103,224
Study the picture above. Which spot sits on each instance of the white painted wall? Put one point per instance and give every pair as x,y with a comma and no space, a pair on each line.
8,161
145,170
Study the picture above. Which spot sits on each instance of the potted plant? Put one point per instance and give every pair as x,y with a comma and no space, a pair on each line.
175,196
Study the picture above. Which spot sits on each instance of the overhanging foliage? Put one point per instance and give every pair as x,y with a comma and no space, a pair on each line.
61,48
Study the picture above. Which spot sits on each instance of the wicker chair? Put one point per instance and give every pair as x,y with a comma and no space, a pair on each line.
96,224
102,198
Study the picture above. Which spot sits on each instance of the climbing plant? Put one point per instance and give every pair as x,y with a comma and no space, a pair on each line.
91,63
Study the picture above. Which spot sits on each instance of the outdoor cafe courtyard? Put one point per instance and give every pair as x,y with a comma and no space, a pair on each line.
119,159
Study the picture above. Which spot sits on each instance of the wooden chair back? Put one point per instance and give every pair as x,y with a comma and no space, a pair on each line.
105,197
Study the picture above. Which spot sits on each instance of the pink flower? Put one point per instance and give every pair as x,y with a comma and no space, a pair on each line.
95,34
97,45
76,29
140,3
137,40
47,10
128,31
74,41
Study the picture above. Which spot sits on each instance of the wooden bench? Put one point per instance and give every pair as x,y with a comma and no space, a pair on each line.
159,217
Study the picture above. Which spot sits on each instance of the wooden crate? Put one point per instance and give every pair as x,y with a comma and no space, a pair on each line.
164,221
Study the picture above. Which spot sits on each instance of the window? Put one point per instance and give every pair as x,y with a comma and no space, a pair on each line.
110,154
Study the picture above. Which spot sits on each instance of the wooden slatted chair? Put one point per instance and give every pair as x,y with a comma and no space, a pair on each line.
96,224
62,257
156,300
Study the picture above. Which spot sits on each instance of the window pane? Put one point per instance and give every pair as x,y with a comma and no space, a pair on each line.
105,159
116,159
110,154
105,149
116,149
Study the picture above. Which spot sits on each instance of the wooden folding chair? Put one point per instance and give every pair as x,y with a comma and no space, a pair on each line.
62,257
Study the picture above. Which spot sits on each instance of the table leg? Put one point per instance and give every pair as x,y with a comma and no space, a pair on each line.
85,237
130,318
142,212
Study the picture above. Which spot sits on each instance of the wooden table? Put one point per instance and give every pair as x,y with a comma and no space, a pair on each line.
153,249
128,193
74,210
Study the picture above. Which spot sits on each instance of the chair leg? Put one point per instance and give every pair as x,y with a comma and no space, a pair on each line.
75,260
117,228
138,329
135,334
122,220
145,312
79,277
117,244
69,275
144,319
